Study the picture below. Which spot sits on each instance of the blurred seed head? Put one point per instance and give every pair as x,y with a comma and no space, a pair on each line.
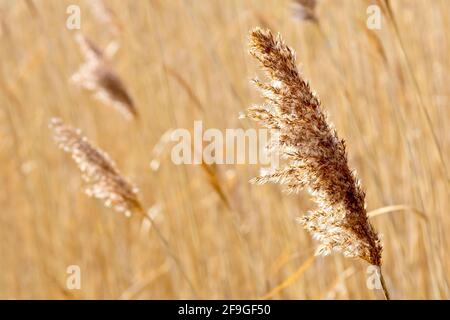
304,10
105,15
103,180
97,75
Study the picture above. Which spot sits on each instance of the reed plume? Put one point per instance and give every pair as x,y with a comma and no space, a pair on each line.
305,10
103,180
97,75
106,183
316,158
106,16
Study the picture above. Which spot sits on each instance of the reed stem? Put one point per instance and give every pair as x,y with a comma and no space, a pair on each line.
383,285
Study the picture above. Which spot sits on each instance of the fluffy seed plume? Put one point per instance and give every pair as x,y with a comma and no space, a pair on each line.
105,15
96,75
315,157
305,10
99,171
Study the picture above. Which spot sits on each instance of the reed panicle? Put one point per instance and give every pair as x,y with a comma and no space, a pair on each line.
104,14
103,180
315,157
97,75
305,10
106,183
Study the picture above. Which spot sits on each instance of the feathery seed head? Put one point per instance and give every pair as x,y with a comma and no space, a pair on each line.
316,157
96,75
305,10
106,16
103,180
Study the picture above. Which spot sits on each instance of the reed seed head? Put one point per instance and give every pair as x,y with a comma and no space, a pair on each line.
316,158
96,75
305,10
103,180
106,16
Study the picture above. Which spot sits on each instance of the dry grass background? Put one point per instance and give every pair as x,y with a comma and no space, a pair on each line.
187,60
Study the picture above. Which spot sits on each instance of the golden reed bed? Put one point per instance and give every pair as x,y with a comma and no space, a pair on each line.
204,231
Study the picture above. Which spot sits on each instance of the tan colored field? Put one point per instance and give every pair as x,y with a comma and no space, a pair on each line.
387,92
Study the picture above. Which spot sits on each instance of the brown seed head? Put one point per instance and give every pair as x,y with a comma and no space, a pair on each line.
316,157
99,171
305,10
96,75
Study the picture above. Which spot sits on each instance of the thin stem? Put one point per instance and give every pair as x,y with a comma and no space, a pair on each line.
383,285
417,87
168,248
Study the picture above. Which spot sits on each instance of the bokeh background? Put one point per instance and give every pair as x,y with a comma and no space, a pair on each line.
386,91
